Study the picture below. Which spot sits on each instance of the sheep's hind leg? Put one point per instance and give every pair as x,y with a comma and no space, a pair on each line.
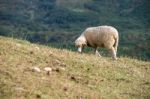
113,53
97,53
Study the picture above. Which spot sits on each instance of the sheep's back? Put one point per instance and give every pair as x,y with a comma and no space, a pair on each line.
107,33
97,36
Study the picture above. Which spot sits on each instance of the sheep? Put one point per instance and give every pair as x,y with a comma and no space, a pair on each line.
101,36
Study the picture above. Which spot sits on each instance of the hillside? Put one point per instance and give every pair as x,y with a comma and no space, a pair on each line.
73,75
59,22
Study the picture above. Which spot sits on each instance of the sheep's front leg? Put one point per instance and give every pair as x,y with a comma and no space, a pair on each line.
96,52
80,49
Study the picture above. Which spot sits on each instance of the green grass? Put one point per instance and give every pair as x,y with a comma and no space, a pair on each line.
74,75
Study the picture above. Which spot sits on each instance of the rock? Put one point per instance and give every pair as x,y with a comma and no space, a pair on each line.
37,48
19,89
48,70
18,45
36,69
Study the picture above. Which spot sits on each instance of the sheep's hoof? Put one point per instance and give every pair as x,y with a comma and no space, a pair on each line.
115,58
98,55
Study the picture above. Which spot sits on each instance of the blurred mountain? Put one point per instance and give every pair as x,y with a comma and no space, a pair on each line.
61,21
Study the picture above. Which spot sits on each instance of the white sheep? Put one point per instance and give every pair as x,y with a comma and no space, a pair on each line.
101,36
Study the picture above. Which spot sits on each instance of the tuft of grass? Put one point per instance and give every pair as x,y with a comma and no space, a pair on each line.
73,76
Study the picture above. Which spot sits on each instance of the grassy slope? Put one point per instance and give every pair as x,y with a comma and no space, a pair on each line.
74,75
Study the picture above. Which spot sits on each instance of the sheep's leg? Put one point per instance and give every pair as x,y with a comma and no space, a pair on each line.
113,53
116,43
80,49
96,52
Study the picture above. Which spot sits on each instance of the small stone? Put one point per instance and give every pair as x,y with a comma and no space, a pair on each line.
18,45
48,70
19,89
37,48
36,69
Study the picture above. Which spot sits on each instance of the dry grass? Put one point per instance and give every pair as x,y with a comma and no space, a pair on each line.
74,76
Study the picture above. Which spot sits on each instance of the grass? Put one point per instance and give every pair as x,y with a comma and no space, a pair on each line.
73,76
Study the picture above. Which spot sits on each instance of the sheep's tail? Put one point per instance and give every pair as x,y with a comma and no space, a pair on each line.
116,43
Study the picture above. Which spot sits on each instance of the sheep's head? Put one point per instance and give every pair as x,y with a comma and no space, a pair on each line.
80,43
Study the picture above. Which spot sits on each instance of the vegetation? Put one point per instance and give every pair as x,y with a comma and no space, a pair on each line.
73,75
59,22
